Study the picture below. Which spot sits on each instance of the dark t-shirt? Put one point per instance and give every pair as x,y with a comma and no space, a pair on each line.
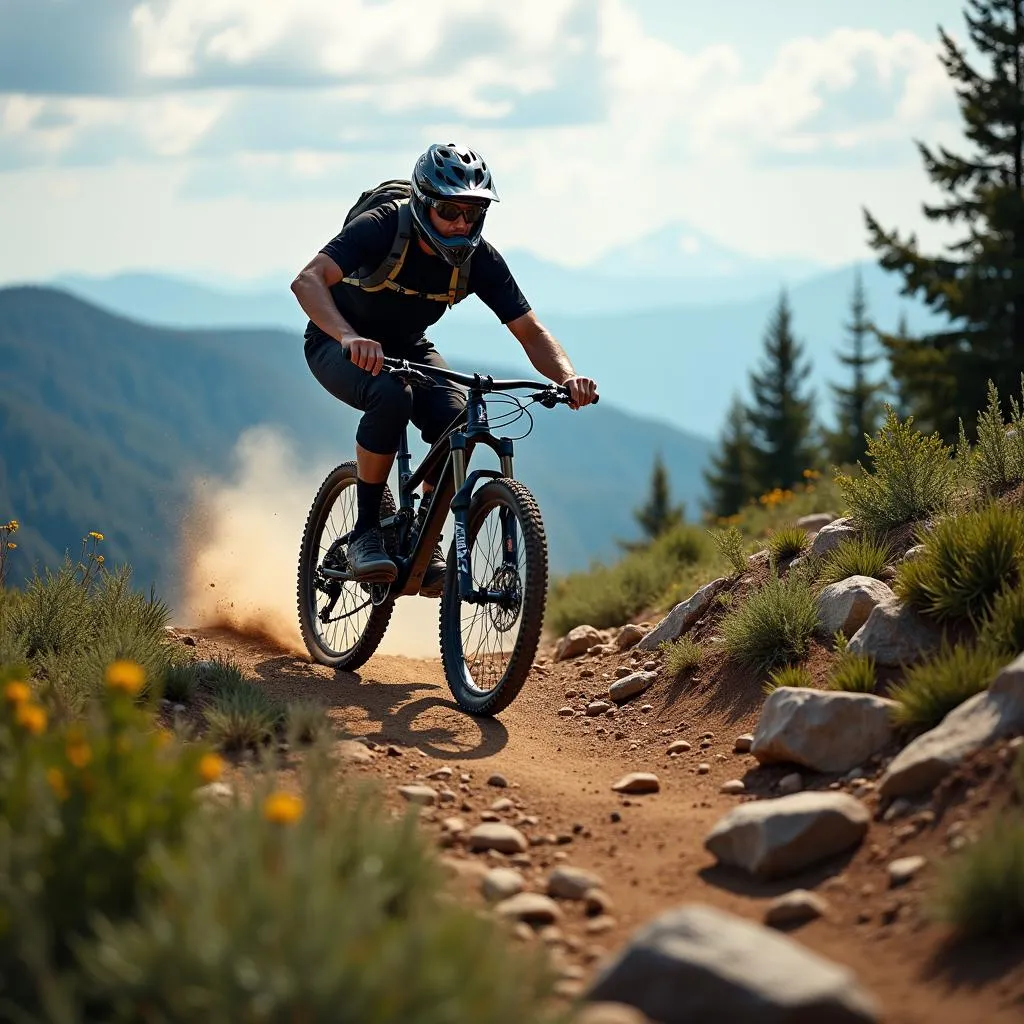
398,321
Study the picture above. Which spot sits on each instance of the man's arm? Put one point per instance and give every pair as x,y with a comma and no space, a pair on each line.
549,358
312,287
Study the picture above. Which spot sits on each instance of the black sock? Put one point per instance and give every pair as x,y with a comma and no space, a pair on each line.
368,497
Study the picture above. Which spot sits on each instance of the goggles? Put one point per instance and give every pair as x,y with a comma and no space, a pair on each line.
472,213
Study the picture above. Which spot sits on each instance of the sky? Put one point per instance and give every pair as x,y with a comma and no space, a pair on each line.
227,138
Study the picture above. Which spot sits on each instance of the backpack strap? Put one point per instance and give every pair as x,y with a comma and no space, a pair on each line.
385,275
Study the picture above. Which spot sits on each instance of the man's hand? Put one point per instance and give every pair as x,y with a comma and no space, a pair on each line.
582,391
366,354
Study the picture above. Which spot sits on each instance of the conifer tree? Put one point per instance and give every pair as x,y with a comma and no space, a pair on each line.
780,417
979,283
658,514
857,406
728,477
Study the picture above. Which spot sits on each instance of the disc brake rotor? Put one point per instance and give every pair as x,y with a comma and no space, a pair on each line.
505,612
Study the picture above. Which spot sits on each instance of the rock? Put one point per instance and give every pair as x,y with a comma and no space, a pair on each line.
566,712
444,773
576,642
638,782
913,553
596,903
629,636
826,730
697,963
903,870
215,792
501,884
978,722
502,804
610,1013
743,743
733,787
531,907
569,883
774,838
703,768
678,747
354,752
631,685
794,908
830,536
791,783
497,836
498,781
847,604
419,794
597,707
894,634
815,521
456,826
683,616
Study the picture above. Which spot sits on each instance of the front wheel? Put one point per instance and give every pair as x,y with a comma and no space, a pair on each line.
487,649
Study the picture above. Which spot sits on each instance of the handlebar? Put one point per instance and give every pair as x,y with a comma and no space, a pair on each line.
551,394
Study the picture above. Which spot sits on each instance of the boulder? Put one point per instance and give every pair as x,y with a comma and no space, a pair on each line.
978,722
895,634
629,636
630,686
683,616
779,837
576,642
697,963
827,730
830,536
815,521
847,604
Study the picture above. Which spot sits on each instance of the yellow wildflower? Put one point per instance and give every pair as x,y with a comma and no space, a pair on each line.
17,692
31,717
11,545
282,808
12,526
78,752
95,535
210,768
55,777
100,559
126,676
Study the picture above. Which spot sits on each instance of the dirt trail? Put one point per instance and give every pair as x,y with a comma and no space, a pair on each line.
649,850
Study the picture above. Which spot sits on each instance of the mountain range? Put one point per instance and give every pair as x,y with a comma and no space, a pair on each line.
107,424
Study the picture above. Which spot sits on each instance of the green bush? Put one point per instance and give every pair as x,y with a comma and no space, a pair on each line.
242,716
854,673
608,595
966,562
787,542
731,546
773,626
981,892
929,691
305,721
912,476
181,682
1002,630
311,908
863,555
682,656
996,461
788,675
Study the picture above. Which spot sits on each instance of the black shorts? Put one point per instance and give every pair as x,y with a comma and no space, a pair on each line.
386,404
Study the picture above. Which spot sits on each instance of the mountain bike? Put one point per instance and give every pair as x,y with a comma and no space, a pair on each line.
495,588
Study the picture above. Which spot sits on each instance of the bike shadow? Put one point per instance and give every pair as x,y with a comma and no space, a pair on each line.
406,713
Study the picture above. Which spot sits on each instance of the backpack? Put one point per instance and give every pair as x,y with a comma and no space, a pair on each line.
400,190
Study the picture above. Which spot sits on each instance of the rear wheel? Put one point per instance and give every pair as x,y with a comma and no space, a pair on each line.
342,622
487,649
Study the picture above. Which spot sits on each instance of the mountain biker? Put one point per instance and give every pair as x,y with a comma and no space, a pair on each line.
444,255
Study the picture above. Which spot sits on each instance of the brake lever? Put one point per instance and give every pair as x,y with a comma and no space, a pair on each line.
410,376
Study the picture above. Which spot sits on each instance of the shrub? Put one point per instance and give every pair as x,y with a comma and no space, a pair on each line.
981,892
682,656
222,675
730,545
854,673
863,555
307,907
241,716
180,683
787,542
788,675
773,626
966,562
997,459
929,691
305,721
912,476
1002,630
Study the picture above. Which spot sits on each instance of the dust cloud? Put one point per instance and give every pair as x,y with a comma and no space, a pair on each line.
240,549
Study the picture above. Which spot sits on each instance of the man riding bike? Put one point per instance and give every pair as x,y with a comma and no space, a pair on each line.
375,288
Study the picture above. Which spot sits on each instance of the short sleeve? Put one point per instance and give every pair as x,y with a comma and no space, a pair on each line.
365,241
491,279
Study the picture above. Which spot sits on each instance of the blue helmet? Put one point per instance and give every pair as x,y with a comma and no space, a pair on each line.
450,172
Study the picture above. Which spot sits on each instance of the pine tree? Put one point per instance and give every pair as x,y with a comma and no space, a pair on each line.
897,395
979,284
780,416
658,514
728,476
857,408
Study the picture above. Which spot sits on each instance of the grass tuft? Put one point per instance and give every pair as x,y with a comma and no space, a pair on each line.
241,716
682,656
854,673
787,542
863,555
731,545
788,675
1002,630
